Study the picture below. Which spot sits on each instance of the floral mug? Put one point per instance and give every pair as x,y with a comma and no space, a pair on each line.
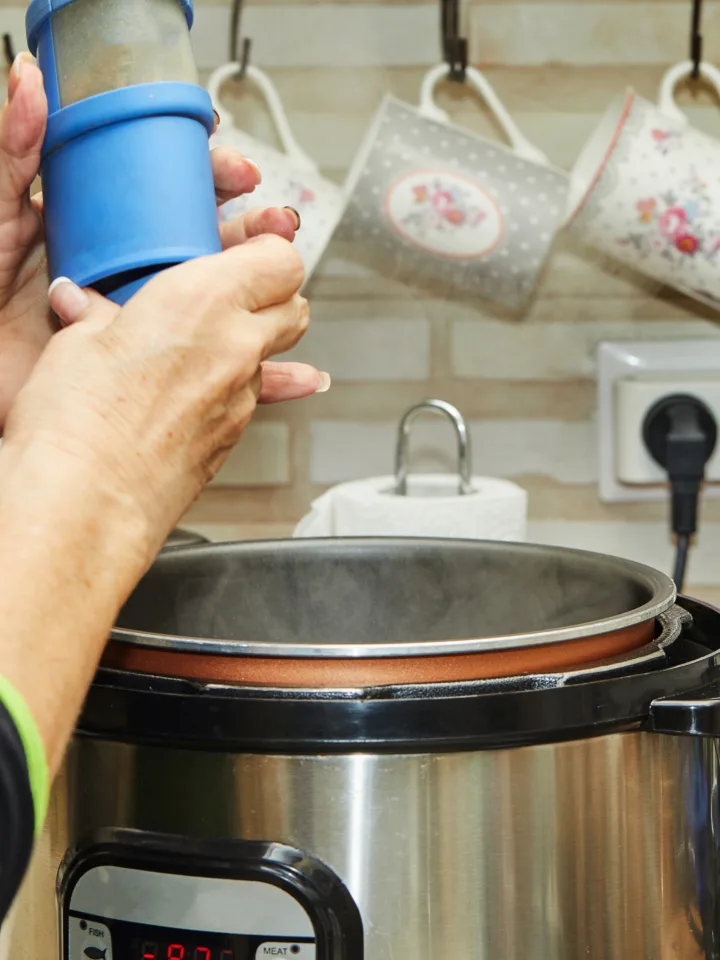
290,177
646,190
426,198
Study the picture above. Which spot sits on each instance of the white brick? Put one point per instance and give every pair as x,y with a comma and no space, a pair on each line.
368,349
512,34
648,543
646,32
551,351
262,458
348,450
323,34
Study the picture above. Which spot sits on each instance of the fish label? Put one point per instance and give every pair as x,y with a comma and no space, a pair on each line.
89,940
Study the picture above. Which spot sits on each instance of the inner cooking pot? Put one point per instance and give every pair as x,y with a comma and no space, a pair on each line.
300,612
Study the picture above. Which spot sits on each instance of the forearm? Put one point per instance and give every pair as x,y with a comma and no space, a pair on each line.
71,550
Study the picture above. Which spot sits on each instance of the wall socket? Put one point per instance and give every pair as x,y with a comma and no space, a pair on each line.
632,377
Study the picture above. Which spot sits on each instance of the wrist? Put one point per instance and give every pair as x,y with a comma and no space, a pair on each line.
66,512
71,550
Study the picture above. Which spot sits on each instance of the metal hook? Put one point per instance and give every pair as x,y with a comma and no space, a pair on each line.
463,439
454,47
244,59
8,49
696,40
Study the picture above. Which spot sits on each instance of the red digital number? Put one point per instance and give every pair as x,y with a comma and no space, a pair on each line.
202,953
149,951
175,952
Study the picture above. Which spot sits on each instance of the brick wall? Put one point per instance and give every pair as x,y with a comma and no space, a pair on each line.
526,386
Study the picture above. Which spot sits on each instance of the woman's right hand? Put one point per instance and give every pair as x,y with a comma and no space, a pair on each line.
149,399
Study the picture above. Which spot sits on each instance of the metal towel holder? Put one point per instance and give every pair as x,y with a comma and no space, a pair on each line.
463,441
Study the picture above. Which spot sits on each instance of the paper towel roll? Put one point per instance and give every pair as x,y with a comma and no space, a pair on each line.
495,510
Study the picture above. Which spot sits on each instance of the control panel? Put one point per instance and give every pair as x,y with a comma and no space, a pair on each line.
117,913
138,901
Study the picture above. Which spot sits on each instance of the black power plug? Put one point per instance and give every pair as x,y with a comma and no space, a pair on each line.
680,432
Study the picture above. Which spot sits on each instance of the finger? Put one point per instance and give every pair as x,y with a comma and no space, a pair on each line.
282,221
72,304
16,71
255,384
262,272
22,128
234,174
217,120
283,326
291,381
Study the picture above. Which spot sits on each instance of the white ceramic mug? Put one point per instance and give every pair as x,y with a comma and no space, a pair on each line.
431,199
646,190
290,178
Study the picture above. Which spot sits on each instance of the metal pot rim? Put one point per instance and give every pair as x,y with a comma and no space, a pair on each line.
661,587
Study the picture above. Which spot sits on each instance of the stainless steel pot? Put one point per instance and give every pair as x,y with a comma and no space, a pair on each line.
329,613
529,816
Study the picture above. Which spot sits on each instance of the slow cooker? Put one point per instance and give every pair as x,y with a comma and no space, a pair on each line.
389,749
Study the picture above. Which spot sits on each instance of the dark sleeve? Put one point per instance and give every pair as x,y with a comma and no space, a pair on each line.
17,814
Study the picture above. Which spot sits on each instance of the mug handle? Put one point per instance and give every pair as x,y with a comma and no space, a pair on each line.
274,104
666,96
428,108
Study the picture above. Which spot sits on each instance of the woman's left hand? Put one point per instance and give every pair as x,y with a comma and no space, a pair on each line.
26,321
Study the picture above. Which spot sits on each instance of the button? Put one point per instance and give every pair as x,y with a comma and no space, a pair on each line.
285,951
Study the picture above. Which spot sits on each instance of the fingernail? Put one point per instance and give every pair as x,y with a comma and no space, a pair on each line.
17,71
294,212
325,382
256,168
67,299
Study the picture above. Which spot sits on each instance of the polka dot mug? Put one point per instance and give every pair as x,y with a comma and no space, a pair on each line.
429,200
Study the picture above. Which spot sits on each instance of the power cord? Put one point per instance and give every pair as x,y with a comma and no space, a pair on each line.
680,433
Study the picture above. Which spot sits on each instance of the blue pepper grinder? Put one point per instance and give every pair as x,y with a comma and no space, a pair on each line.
126,175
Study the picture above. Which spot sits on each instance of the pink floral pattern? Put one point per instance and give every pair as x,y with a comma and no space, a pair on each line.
656,202
676,225
440,206
666,140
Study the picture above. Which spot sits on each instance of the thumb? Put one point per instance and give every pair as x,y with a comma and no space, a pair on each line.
71,304
22,129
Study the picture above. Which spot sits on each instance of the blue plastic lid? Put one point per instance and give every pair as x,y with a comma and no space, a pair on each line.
39,11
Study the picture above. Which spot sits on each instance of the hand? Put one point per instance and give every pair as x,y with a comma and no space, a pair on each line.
144,402
26,321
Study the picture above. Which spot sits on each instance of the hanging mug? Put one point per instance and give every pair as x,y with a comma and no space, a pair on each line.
646,189
290,177
432,199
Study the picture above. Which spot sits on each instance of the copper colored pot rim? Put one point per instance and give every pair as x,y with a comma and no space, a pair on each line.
327,673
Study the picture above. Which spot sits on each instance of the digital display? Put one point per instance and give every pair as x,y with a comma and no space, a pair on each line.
183,945
155,950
